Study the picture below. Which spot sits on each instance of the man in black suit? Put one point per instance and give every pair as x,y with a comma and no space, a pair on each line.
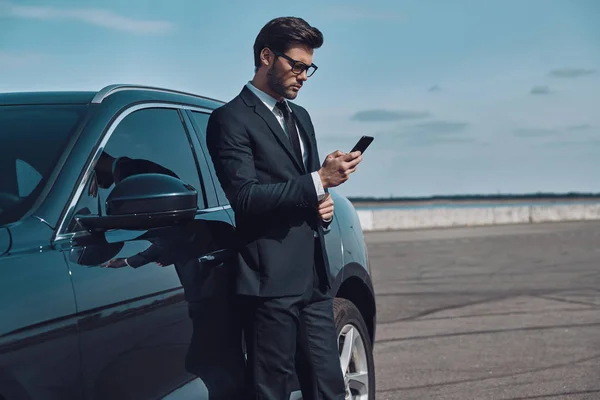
265,155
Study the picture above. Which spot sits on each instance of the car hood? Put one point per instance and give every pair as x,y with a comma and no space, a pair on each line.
4,240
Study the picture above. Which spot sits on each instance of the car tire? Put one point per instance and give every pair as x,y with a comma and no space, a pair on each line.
350,325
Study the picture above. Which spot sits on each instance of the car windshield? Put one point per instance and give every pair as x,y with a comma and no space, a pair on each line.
32,139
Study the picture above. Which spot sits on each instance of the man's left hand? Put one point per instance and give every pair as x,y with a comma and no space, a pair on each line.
325,208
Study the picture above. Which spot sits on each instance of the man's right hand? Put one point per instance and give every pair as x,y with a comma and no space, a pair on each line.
337,167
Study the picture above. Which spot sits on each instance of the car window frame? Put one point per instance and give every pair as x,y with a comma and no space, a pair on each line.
62,232
200,134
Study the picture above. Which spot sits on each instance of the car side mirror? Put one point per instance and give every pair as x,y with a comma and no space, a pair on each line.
145,201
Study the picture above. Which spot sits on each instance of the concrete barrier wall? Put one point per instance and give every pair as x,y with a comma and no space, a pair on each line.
416,218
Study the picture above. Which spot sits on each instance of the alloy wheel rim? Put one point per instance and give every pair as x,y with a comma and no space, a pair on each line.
353,361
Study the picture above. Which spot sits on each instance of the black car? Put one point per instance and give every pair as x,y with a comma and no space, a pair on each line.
113,282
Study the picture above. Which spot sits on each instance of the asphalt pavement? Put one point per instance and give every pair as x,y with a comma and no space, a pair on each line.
506,312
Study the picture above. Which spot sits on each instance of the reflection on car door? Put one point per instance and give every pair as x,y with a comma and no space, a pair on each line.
154,305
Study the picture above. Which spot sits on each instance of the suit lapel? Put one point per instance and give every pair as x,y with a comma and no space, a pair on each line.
259,108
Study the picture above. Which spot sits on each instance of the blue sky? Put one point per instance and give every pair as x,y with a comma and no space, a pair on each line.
463,96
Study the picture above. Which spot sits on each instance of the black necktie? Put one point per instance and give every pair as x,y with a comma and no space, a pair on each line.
291,130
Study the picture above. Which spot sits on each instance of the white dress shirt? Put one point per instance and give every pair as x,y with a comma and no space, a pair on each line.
270,103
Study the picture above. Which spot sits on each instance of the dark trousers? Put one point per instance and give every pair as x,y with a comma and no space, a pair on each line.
275,328
215,353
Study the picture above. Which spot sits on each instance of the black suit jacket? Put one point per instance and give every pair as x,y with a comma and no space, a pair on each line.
272,194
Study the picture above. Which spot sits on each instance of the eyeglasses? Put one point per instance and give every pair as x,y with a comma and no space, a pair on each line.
298,67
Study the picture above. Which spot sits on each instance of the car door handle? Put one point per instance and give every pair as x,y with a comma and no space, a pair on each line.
216,257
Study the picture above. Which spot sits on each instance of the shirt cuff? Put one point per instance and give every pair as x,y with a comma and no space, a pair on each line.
318,185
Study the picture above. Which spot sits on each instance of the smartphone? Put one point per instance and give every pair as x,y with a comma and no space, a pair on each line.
362,144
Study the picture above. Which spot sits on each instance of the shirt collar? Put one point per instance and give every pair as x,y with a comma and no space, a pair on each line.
267,99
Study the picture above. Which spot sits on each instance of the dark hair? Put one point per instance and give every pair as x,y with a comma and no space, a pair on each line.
281,33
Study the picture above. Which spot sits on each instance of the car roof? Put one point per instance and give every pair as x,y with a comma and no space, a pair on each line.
119,93
32,98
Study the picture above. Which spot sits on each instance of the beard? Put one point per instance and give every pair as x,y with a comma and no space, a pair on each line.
275,82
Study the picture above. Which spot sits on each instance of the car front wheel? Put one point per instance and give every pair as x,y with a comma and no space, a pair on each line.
356,351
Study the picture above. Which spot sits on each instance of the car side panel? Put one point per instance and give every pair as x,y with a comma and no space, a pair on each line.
353,241
133,325
39,348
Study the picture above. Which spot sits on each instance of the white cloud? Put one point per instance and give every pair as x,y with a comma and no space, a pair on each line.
103,18
572,72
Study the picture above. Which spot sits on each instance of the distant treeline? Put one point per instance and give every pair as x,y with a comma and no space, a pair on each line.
479,197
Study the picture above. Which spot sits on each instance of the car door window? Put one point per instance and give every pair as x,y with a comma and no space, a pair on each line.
200,121
150,140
